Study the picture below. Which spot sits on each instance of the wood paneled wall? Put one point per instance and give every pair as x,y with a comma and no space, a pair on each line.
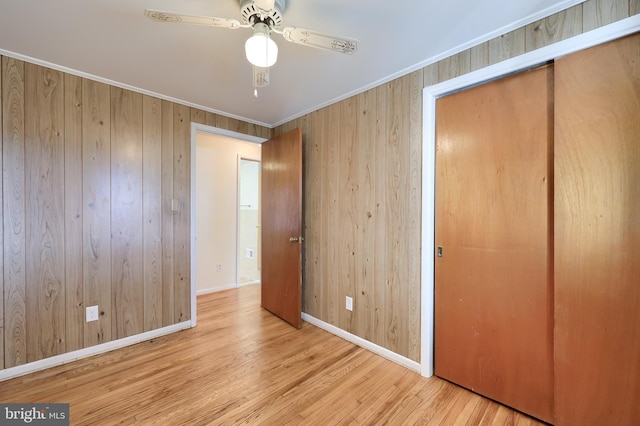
88,175
362,177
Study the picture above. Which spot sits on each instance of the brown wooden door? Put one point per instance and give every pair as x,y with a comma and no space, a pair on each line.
597,235
493,283
281,194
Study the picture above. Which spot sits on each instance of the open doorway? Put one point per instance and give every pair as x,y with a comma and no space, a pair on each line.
215,205
248,221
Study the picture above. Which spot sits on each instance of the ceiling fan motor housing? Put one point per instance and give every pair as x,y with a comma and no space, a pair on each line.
252,14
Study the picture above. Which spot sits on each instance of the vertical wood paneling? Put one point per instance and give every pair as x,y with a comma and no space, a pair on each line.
331,219
198,116
597,13
45,243
13,181
507,46
181,225
96,184
348,251
381,213
560,26
479,56
414,133
126,213
152,211
74,311
454,66
312,216
366,203
430,74
394,201
634,7
222,121
168,262
210,119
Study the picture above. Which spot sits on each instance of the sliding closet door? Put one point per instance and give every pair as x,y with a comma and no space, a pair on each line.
597,235
493,283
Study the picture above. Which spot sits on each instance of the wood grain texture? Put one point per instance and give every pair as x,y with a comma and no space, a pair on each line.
168,261
331,219
507,46
73,214
597,239
127,262
14,214
96,184
349,255
597,13
312,218
281,219
152,211
242,365
554,28
430,74
366,203
493,284
454,66
414,204
45,242
182,218
479,56
380,215
396,204
634,7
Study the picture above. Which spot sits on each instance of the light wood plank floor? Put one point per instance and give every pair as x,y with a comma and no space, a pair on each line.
241,365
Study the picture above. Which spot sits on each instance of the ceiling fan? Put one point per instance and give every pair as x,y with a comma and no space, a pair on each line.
265,17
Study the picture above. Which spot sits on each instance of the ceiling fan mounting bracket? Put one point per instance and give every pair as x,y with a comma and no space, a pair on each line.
252,14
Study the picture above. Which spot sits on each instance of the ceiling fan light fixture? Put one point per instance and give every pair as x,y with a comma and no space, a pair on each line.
260,49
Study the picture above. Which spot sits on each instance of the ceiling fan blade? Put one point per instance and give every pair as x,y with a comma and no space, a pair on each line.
321,41
211,21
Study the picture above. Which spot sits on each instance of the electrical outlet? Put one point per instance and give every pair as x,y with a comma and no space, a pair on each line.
219,267
92,313
349,303
174,205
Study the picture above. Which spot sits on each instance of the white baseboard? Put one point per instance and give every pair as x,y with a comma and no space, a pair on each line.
376,349
216,289
250,283
32,367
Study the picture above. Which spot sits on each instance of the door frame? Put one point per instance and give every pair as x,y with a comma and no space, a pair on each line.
430,94
203,128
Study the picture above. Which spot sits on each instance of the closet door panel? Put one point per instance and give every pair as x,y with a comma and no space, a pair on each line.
493,283
597,235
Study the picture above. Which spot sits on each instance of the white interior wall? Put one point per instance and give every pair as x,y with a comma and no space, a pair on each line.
216,208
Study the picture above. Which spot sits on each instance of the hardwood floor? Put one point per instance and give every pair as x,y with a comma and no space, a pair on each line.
242,365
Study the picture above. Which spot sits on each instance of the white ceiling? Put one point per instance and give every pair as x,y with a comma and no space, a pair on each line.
112,40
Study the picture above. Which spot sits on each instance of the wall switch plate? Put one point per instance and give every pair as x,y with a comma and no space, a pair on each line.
92,313
349,303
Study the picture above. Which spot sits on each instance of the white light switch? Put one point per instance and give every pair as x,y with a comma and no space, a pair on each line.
349,304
